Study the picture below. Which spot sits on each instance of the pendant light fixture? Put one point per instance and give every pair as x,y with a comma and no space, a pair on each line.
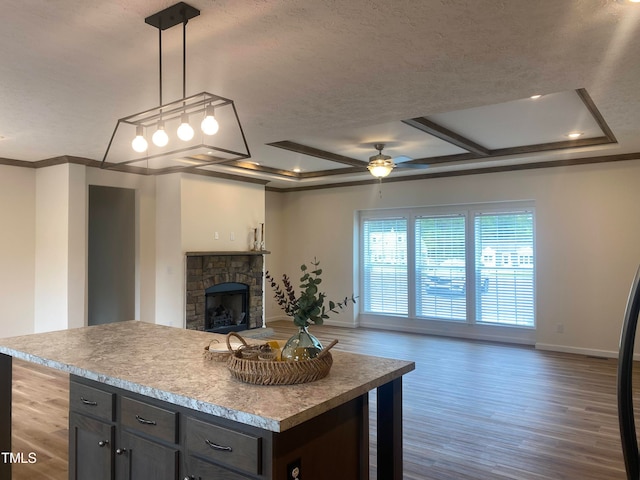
175,142
380,165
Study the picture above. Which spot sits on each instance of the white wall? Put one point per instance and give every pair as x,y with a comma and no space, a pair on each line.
169,308
44,243
210,205
17,250
190,209
587,240
60,248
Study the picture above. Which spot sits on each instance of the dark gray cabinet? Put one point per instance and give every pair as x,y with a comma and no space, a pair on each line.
112,436
90,448
91,432
115,434
140,458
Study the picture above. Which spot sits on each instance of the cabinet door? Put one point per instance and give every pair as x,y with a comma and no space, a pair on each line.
138,458
200,470
90,448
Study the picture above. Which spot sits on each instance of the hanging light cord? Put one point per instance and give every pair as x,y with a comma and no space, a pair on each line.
160,61
184,55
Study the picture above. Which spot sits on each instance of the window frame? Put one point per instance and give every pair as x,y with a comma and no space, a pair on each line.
469,212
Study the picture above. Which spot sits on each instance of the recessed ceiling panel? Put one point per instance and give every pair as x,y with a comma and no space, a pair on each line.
529,121
294,162
400,140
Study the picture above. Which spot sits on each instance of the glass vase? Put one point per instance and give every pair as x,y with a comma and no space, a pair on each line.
301,346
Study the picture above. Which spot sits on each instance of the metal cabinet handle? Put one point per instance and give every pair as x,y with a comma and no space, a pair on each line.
103,443
144,421
215,446
121,451
88,402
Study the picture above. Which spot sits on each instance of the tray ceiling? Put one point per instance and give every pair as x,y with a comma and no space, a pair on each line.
446,88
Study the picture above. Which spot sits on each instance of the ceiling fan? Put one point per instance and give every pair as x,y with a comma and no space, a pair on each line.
380,165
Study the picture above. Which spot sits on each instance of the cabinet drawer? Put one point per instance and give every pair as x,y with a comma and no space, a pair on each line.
199,469
224,446
149,419
92,401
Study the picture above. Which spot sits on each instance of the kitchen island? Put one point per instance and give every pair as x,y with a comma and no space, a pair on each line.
159,376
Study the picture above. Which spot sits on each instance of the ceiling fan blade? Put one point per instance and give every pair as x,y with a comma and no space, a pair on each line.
401,158
413,165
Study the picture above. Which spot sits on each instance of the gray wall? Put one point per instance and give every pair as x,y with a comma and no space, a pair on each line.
111,258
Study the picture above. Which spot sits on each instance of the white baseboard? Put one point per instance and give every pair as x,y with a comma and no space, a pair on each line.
591,352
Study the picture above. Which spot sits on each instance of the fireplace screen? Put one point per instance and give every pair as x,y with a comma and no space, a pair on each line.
226,307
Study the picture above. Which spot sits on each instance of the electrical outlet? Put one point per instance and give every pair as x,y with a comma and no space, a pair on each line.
294,470
232,236
216,236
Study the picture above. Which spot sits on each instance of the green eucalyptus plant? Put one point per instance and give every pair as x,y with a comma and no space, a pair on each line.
307,307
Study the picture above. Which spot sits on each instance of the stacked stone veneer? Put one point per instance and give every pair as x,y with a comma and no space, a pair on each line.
206,270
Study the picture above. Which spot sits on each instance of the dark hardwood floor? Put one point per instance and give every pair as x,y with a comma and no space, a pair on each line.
472,410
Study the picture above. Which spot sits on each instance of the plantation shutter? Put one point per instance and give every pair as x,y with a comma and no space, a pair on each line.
385,275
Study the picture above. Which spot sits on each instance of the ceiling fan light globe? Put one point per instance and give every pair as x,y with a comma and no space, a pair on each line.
380,168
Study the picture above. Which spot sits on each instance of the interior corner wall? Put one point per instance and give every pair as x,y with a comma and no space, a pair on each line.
60,248
275,224
17,250
211,205
145,199
170,268
587,240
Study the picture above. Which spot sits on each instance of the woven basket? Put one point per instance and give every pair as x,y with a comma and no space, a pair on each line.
259,372
217,355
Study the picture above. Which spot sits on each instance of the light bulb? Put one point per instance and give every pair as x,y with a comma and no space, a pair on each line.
160,137
209,125
139,144
185,131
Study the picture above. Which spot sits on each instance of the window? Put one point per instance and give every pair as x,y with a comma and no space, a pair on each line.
440,267
385,265
506,281
472,264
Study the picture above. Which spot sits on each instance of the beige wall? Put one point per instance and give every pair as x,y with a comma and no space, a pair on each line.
43,248
587,240
60,248
190,209
17,250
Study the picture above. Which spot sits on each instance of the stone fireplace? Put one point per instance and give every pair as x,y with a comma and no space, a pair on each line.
224,290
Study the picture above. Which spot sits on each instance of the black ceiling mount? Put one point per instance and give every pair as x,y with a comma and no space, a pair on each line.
172,16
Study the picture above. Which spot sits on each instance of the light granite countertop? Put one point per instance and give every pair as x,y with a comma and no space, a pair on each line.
167,363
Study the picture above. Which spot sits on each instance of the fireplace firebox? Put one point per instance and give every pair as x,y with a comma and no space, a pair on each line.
226,307
209,269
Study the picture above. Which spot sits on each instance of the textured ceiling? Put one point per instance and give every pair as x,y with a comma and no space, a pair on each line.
326,72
